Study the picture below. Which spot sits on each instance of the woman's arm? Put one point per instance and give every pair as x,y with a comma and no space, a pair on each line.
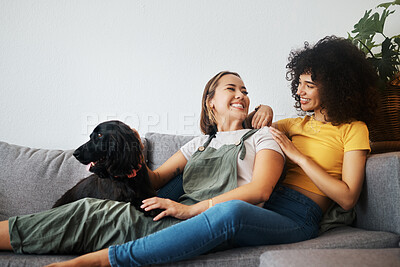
259,118
267,169
171,168
345,192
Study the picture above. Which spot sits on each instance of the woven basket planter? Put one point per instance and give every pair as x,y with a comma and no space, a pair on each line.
385,132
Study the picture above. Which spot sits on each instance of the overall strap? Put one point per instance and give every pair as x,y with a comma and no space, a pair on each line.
241,143
208,140
205,145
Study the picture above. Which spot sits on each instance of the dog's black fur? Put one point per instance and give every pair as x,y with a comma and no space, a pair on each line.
114,150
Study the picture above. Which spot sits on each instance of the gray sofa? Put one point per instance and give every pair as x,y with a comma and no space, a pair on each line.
32,179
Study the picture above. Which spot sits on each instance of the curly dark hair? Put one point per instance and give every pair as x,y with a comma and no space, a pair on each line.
346,81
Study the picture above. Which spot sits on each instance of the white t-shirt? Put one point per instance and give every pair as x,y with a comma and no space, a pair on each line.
262,139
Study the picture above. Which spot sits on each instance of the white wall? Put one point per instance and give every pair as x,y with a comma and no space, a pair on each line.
67,65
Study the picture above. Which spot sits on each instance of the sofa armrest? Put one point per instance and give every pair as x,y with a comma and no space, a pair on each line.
379,205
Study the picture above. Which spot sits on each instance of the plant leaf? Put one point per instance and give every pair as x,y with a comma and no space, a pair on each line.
369,25
381,22
388,4
363,27
385,5
387,61
387,64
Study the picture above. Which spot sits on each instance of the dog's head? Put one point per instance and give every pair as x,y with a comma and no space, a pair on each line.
114,149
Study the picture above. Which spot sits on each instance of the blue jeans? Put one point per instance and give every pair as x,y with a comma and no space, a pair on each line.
287,217
173,189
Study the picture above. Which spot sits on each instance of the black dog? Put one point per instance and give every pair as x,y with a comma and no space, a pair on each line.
120,173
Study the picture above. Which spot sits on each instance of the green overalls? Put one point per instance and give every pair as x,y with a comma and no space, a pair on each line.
212,172
92,224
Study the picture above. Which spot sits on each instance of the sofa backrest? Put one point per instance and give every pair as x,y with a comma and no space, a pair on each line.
161,147
31,180
379,205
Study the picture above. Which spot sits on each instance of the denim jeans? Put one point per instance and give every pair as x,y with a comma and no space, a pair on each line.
288,216
173,189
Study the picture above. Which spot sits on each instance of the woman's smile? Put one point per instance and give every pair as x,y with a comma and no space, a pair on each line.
304,101
239,106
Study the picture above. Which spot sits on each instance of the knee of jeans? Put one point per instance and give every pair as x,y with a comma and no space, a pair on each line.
233,210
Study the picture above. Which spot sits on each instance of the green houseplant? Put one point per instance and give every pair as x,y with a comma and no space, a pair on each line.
384,54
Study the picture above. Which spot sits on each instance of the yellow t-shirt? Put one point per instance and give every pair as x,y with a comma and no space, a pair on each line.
323,143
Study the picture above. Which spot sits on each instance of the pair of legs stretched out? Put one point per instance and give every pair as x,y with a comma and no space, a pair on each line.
287,217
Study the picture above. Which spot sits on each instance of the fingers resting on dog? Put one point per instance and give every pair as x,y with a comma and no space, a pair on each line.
170,207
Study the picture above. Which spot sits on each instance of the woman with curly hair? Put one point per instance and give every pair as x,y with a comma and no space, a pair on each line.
327,151
334,83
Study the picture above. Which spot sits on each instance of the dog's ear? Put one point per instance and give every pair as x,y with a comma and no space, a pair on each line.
125,153
138,138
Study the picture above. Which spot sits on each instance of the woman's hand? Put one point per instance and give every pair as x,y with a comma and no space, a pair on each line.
170,207
287,146
263,117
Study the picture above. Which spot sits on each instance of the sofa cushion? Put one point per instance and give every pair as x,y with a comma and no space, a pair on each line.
350,237
161,147
332,257
342,237
339,238
33,179
11,259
